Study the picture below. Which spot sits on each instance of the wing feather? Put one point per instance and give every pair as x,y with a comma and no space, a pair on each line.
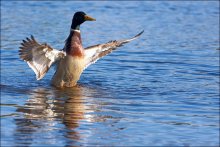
39,57
93,53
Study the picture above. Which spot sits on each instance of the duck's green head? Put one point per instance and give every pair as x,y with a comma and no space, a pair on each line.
79,18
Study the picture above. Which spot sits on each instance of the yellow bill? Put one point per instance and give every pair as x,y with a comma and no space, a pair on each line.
89,18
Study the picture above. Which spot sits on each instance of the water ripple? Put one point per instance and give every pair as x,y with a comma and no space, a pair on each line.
162,89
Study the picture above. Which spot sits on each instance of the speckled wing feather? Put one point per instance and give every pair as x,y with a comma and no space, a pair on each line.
93,53
39,57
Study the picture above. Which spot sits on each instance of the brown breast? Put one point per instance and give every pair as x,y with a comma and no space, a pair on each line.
75,45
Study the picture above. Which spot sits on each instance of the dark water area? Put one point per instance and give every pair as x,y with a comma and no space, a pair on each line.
162,89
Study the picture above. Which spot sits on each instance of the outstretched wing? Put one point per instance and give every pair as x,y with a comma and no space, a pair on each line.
39,57
93,53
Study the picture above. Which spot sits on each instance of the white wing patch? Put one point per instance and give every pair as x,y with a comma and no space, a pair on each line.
39,57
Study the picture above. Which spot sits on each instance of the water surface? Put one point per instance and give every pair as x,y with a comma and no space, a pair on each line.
161,89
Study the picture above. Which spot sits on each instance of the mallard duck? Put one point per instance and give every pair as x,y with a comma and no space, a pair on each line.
72,59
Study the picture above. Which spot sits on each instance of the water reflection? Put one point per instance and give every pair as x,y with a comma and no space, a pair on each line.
49,106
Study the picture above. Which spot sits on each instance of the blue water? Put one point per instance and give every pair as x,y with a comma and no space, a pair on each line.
162,89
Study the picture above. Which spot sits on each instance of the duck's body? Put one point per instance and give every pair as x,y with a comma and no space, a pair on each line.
71,66
67,76
72,60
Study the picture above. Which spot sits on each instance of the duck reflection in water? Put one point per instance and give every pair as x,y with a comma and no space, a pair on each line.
47,107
